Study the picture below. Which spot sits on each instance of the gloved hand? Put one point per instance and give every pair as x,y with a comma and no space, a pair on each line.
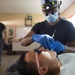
45,40
58,47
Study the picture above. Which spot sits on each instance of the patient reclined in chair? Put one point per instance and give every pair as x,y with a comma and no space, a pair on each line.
36,62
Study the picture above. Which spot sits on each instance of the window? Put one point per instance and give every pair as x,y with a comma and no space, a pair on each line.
72,19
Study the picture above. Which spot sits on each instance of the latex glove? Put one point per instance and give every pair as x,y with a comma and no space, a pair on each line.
45,40
58,47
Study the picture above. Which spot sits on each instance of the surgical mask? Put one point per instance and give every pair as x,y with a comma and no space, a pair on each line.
52,17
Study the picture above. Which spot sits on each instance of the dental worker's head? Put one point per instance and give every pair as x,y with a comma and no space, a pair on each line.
50,9
41,63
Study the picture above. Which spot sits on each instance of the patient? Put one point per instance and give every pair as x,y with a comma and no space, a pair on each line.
36,62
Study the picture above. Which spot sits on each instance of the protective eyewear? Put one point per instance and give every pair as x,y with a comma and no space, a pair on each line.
37,52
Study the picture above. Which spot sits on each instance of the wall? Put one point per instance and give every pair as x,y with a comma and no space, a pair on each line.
22,31
69,12
19,20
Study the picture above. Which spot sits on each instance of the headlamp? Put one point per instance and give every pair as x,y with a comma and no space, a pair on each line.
50,6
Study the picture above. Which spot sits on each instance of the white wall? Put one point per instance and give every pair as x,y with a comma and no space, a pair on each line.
22,31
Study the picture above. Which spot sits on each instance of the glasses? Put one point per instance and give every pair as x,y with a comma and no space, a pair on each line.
37,52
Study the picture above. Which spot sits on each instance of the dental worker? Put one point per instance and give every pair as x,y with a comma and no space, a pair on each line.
54,33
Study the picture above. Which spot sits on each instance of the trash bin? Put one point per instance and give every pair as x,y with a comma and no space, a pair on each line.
9,50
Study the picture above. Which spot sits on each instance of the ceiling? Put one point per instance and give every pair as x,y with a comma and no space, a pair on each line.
27,6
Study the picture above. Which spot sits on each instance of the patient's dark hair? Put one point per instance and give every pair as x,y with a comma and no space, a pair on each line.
26,68
30,68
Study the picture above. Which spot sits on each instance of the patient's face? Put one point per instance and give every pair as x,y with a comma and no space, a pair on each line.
46,57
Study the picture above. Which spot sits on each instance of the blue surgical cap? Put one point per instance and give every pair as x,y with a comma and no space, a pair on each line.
43,1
